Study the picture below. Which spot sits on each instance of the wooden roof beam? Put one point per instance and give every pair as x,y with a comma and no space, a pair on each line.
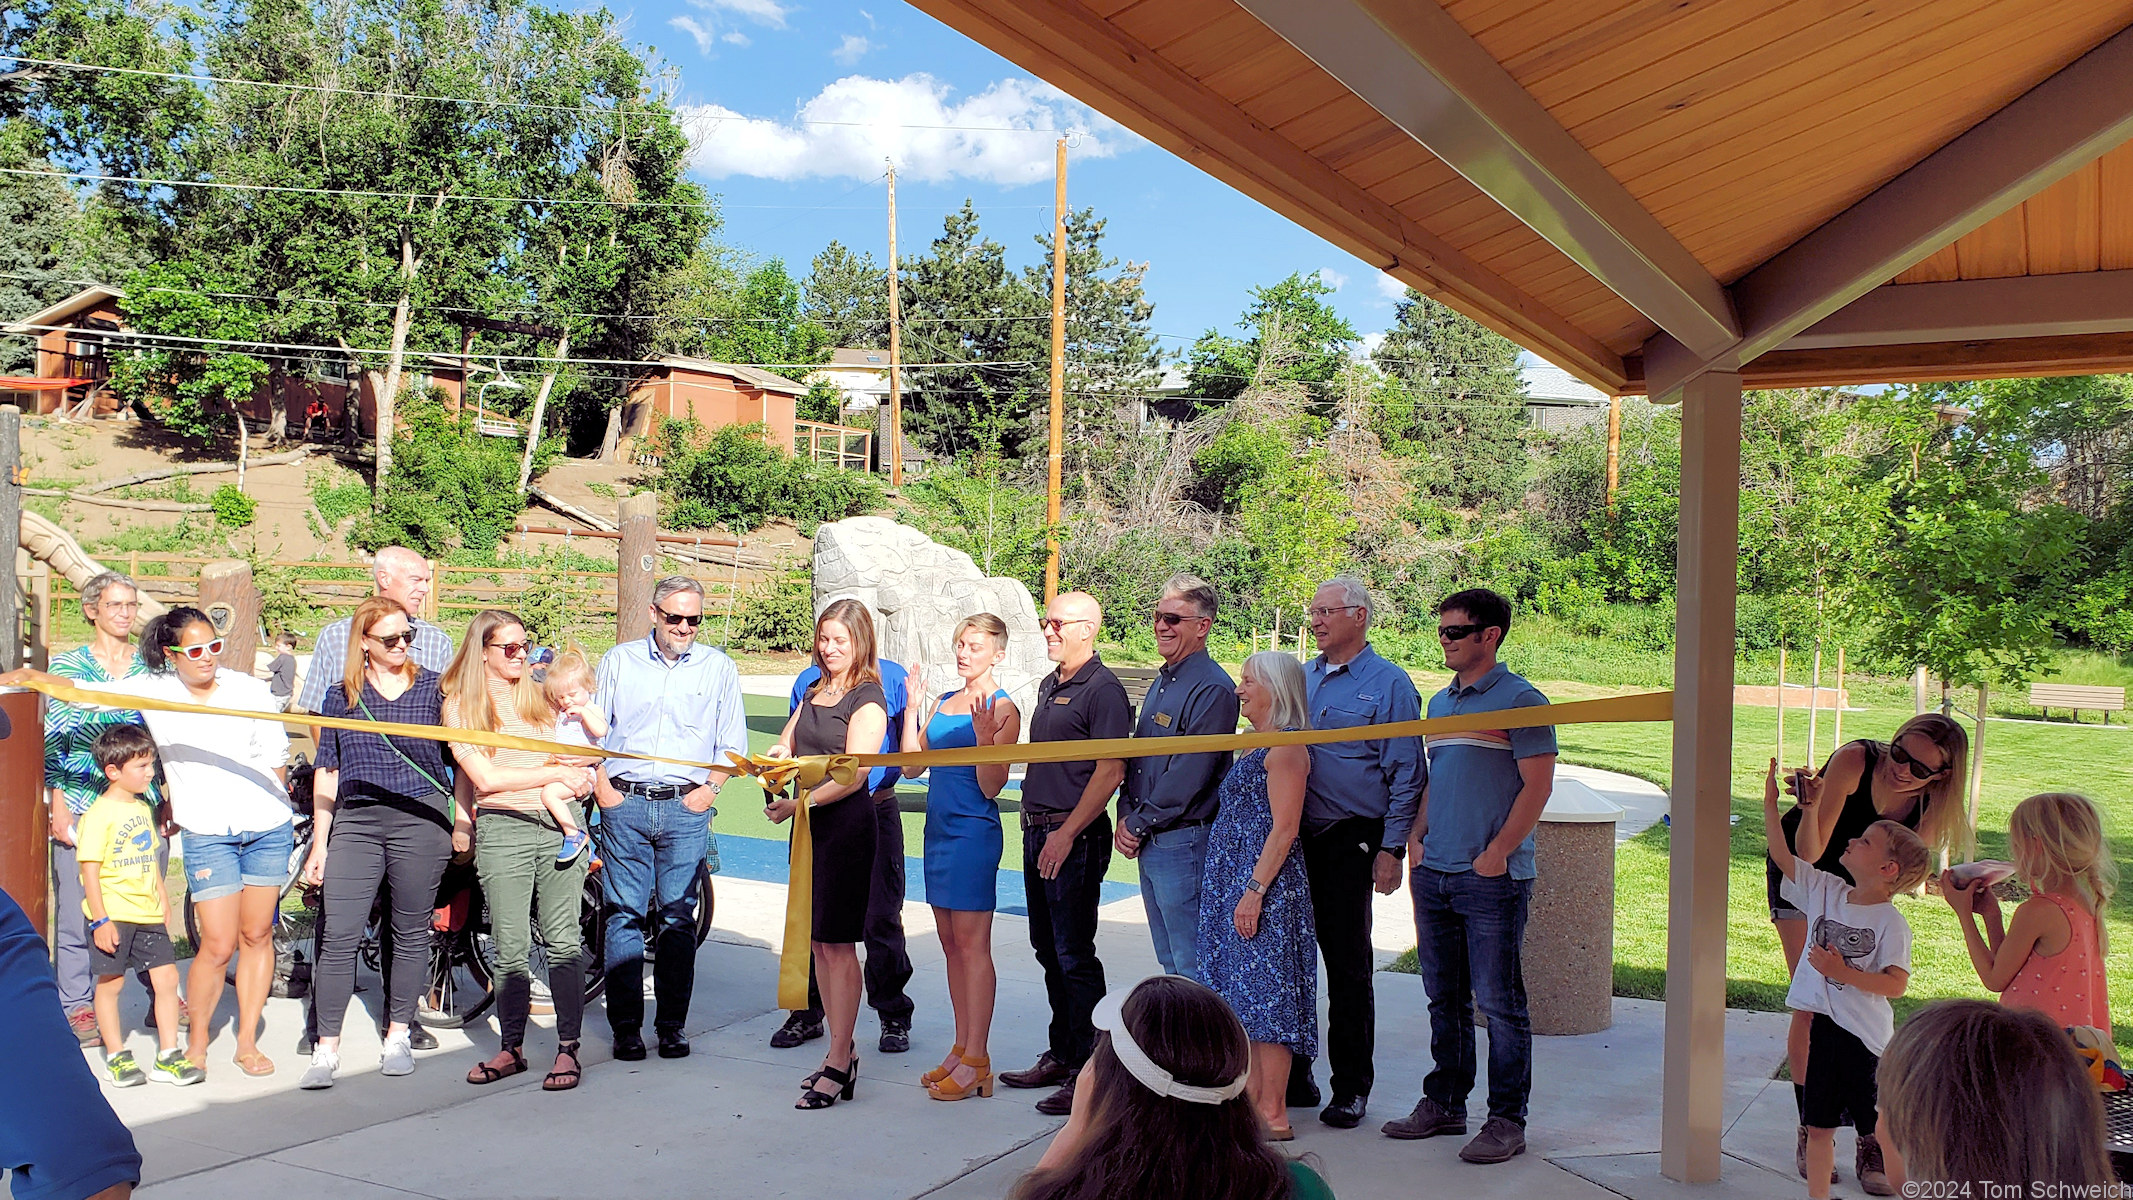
1078,51
1414,63
1973,310
2040,137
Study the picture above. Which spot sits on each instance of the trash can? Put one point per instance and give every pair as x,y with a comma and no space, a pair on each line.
1570,926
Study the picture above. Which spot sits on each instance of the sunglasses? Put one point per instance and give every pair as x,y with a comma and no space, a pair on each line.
1456,633
1321,613
512,649
1916,768
203,650
677,618
391,640
1173,620
1055,625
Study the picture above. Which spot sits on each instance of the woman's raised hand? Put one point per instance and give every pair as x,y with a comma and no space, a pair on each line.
986,720
1804,784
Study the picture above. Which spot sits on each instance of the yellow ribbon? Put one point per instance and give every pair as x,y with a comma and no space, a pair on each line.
803,775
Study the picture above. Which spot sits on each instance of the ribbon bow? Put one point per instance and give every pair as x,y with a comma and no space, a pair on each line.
802,775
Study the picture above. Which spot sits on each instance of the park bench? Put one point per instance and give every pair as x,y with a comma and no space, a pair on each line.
1137,681
2077,698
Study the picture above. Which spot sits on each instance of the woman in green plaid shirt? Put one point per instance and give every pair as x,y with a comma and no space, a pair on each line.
73,781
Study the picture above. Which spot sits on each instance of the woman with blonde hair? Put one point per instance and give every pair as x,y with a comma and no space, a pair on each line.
1258,942
488,687
1915,779
964,843
382,810
844,713
2050,956
1986,1100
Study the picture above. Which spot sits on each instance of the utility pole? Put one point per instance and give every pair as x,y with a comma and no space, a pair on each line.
896,372
1058,430
1614,454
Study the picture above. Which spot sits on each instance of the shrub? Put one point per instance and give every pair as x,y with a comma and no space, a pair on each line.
233,509
733,478
777,615
450,487
338,495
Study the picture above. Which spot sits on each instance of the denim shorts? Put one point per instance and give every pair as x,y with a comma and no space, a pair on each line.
224,864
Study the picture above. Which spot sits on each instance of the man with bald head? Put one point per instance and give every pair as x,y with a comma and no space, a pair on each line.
402,576
1066,839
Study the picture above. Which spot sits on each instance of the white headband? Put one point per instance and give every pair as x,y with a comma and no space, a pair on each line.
1109,1018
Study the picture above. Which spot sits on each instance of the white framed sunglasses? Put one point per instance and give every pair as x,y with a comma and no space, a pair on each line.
199,651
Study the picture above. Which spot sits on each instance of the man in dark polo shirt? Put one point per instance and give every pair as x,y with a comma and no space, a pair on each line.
1169,801
1066,840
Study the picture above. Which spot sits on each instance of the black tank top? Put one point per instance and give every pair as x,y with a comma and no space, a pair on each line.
1853,819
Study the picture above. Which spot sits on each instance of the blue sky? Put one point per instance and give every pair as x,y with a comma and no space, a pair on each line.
750,70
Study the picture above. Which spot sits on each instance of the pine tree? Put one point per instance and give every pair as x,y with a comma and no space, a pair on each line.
1459,409
961,305
848,296
1111,354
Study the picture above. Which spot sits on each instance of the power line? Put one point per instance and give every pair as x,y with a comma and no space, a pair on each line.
269,187
487,103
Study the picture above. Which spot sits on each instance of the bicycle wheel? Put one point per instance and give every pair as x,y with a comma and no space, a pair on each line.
460,986
592,936
705,902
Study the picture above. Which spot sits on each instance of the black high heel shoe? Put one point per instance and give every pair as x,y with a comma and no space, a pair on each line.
844,1083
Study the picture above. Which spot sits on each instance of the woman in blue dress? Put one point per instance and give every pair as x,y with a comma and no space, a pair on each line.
1258,944
963,843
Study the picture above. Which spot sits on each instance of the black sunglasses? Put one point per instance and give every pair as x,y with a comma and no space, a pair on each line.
677,618
1917,769
512,649
1454,633
389,640
1173,620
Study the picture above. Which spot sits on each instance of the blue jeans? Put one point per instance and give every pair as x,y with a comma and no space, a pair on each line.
1468,930
649,852
1171,862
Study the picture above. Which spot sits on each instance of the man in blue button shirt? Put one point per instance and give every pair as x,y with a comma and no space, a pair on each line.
1168,802
1358,805
663,694
888,965
1472,846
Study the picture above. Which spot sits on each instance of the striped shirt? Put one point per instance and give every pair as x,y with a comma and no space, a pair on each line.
70,731
503,702
1473,777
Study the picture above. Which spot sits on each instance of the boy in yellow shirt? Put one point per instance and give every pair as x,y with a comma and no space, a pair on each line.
128,908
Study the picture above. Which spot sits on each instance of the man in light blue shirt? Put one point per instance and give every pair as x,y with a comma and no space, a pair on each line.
663,694
888,964
1472,850
1358,805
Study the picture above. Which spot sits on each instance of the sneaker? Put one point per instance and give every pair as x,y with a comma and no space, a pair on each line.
124,1071
83,1022
175,1068
398,1057
1500,1140
573,845
800,1027
1427,1121
1873,1175
319,1075
895,1036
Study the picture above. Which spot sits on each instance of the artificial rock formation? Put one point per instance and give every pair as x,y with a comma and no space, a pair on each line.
917,590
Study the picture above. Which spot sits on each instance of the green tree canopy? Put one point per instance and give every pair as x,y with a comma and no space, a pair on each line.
1220,367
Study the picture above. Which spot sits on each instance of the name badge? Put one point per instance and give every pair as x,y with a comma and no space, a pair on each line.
1163,719
1366,697
1064,700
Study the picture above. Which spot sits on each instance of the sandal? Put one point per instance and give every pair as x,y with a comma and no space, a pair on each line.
488,1073
947,1067
844,1082
255,1064
559,1079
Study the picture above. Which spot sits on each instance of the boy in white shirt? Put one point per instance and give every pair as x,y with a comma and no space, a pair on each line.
1858,958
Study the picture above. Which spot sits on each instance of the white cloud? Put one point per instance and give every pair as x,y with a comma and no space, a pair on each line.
869,18
849,127
1332,278
1371,342
762,12
734,37
695,29
851,49
1390,288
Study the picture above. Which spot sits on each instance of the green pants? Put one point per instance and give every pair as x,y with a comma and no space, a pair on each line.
525,889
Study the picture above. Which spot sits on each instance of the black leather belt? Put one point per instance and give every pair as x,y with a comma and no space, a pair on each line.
655,791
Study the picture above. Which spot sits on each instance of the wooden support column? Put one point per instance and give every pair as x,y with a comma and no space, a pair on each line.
10,534
636,565
1702,791
231,602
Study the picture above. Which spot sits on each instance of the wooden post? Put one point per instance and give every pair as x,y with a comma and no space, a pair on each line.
10,534
41,616
636,565
1836,733
1814,707
896,371
1977,774
1781,707
1918,691
540,411
434,600
25,861
1693,1090
1614,450
231,603
1057,442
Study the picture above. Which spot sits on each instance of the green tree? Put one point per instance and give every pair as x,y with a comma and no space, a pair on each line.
766,325
1220,367
1459,408
1296,521
962,305
1111,353
848,296
192,391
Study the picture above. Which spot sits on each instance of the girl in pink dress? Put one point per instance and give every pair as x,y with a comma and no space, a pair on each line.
2049,958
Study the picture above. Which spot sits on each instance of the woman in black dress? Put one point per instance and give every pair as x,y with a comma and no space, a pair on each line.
1915,779
844,713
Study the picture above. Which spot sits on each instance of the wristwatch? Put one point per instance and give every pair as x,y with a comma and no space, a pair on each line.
1253,885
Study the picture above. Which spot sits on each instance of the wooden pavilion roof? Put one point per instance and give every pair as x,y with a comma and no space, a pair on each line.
1642,190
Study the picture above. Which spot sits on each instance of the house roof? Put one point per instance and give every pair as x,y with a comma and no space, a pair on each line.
1643,192
846,356
1551,385
57,314
755,377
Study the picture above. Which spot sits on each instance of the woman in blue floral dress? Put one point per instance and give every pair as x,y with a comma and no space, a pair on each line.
1258,946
